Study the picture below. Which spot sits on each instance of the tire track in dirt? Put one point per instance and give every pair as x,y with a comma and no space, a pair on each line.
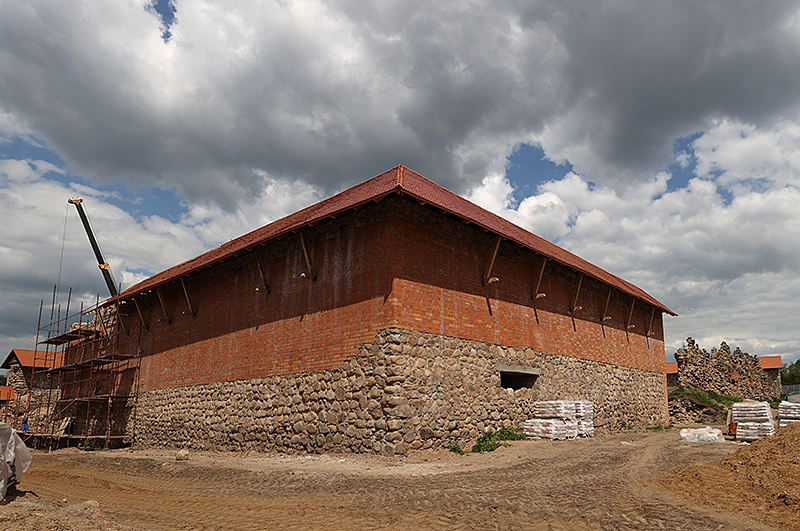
589,484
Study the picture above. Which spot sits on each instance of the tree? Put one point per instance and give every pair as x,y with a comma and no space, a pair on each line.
790,374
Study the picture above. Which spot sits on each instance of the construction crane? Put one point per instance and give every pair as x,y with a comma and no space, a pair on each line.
96,248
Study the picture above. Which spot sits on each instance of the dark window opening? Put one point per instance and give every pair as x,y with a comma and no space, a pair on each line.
517,380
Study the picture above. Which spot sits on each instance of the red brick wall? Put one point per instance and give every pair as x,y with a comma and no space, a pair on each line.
441,291
394,263
300,325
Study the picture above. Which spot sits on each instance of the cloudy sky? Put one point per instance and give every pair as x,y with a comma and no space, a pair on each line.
659,140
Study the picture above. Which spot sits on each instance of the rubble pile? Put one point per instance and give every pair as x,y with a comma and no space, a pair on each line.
788,412
561,419
753,420
729,373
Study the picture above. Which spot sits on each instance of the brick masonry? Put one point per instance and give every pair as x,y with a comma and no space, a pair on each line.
404,390
249,362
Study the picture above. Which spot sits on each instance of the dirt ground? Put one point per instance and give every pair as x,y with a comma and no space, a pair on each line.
614,481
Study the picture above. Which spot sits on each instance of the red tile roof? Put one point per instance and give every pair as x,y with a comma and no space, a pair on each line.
403,181
770,362
26,358
6,392
671,367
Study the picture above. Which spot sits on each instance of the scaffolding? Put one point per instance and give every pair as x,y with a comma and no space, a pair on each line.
94,403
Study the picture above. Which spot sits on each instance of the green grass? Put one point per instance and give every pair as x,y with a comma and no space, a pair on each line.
454,447
489,442
709,399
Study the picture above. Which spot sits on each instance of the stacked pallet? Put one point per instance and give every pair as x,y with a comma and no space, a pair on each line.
584,414
788,412
560,419
753,420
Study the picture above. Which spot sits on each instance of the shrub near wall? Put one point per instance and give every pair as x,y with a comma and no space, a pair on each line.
404,390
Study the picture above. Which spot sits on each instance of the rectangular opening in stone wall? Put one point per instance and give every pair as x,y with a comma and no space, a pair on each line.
517,377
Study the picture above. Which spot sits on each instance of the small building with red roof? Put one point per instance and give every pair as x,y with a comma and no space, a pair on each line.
393,315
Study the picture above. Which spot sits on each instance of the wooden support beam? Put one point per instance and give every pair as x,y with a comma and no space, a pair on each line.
99,315
487,274
188,300
605,316
628,324
536,293
650,324
310,274
141,315
574,306
119,319
163,304
264,285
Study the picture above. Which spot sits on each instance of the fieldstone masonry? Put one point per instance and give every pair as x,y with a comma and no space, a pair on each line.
734,373
404,390
35,402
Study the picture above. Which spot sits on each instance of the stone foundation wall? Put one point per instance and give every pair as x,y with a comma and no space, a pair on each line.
729,373
36,404
404,390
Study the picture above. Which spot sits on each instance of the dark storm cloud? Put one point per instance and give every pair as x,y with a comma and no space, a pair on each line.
334,93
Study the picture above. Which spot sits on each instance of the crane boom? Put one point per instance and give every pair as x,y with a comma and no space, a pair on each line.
102,264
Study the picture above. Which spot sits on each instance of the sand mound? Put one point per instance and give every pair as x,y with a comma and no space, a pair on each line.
761,479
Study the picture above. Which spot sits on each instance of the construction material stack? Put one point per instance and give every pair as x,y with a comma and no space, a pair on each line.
788,412
561,419
753,420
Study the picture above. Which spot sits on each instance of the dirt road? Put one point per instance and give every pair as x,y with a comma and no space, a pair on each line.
601,483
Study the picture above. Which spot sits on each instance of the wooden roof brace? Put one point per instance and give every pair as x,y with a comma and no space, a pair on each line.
536,293
141,315
650,325
120,320
607,317
99,314
188,300
309,273
264,286
487,275
628,324
574,306
163,304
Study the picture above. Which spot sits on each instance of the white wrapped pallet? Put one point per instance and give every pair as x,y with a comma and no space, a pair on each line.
751,412
585,427
788,410
558,429
752,431
584,409
554,409
785,422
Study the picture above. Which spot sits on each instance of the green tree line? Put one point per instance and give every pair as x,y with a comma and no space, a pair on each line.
790,374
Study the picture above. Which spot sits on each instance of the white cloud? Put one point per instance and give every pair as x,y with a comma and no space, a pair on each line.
37,221
730,270
248,91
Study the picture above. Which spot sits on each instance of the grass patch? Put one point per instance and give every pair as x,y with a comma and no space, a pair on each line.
709,399
454,447
489,442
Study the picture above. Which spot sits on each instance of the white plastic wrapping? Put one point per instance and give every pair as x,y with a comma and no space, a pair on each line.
561,419
707,434
752,412
789,410
752,431
16,458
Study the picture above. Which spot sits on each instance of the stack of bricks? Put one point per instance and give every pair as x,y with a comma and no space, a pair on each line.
560,419
788,412
753,420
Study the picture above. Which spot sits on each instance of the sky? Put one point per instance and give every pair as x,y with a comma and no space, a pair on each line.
658,140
